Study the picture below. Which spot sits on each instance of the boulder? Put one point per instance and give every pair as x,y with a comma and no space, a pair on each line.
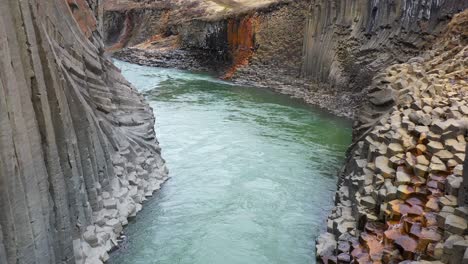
326,245
382,167
434,146
402,177
90,237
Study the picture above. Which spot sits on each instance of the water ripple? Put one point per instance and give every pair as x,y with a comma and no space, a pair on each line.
253,173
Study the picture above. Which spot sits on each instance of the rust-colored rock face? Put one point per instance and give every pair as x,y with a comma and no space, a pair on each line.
241,42
78,152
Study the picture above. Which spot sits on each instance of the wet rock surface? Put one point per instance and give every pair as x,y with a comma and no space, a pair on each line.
78,151
400,197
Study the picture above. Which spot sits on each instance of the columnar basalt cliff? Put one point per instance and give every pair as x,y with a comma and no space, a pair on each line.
324,52
402,195
78,152
347,42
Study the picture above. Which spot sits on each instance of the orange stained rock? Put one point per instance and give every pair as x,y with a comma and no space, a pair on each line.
406,245
432,205
406,209
373,245
84,16
241,41
409,225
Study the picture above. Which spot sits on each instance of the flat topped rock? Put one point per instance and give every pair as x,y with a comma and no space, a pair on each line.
344,258
434,146
406,245
430,235
448,200
110,204
433,204
462,212
372,244
382,167
344,247
368,202
402,177
394,149
421,170
421,159
405,191
90,237
326,244
384,96
455,224
437,164
444,155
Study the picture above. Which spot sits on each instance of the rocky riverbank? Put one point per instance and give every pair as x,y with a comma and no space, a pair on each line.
340,103
403,194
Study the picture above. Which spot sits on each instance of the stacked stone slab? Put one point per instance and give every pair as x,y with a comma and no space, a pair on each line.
398,198
78,151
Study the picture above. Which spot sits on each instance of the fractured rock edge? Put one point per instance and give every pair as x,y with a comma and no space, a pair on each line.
78,150
403,193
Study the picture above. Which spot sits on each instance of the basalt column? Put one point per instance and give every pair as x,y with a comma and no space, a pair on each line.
78,152
347,42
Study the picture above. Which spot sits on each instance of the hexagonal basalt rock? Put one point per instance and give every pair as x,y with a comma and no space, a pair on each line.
455,224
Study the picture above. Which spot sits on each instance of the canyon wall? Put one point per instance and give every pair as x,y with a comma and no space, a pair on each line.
347,42
339,44
78,151
402,195
324,52
258,43
129,27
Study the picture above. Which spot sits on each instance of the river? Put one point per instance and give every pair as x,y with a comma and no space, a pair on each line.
252,172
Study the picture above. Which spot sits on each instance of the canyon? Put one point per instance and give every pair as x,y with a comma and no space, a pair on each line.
79,153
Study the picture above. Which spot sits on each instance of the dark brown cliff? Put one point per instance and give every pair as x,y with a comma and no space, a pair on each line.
78,152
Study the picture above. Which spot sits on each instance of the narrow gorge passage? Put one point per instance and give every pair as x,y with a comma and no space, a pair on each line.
253,173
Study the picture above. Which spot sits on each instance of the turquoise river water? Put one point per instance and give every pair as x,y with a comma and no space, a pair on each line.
253,173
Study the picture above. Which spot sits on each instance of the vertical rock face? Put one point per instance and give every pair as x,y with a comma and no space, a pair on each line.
130,27
347,42
78,152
